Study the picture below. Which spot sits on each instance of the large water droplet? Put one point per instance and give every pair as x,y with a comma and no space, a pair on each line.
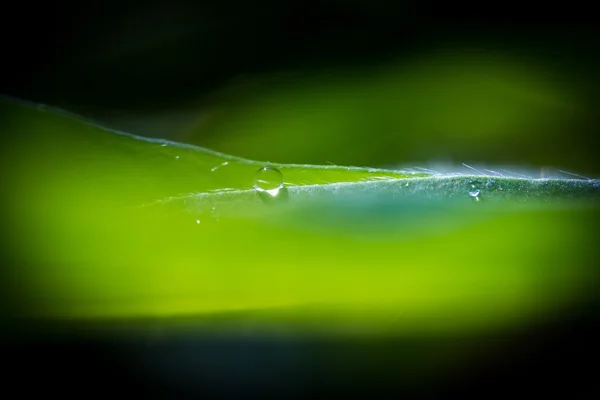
268,180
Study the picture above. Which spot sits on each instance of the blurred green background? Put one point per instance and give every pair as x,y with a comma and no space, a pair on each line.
375,83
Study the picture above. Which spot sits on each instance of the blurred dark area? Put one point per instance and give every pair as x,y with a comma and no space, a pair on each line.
192,71
101,58
155,55
549,358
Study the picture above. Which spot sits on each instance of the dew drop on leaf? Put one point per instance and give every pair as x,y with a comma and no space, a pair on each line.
268,180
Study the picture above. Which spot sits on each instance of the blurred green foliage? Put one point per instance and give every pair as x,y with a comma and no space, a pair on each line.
375,250
454,107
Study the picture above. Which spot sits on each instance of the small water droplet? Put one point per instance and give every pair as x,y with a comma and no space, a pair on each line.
475,194
163,145
197,221
177,157
268,180
406,184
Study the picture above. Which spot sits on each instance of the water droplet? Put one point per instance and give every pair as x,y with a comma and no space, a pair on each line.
177,157
268,180
475,194
406,184
197,221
